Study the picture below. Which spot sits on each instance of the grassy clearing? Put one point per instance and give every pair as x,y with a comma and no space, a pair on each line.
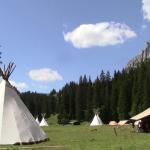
84,137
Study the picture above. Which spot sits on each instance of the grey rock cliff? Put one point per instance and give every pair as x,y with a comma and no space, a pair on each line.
145,54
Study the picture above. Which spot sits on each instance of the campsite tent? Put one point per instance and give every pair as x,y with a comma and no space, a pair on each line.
144,124
113,123
17,125
37,120
136,123
43,121
96,121
74,122
122,122
141,115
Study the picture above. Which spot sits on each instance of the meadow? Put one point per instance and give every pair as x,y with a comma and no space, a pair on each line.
84,137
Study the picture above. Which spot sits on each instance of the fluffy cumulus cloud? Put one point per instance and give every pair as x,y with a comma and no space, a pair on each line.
44,74
21,86
146,9
99,34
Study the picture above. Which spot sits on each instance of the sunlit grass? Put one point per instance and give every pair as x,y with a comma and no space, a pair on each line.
84,137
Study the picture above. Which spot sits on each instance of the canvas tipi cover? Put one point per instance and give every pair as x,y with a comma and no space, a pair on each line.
37,120
43,122
96,121
17,125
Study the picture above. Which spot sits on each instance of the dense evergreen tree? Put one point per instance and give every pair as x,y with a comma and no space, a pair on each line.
72,93
78,100
96,93
89,103
114,98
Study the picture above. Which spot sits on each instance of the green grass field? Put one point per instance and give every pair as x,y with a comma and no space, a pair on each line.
84,137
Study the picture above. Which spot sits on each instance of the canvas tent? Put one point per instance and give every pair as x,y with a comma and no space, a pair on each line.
123,122
96,121
43,121
74,122
17,125
136,123
141,115
144,123
113,123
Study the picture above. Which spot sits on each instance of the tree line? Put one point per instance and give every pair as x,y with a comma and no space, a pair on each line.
39,104
119,97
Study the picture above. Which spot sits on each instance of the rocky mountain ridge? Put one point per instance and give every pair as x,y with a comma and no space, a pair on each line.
145,54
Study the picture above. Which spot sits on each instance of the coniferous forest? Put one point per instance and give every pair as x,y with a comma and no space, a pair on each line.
119,97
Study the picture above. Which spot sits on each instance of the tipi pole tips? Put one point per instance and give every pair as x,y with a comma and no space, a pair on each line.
7,71
43,115
96,111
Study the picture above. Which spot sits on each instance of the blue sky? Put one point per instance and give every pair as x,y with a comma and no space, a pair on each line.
53,42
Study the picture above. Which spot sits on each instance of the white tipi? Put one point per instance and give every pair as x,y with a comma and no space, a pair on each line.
37,120
96,121
43,121
17,125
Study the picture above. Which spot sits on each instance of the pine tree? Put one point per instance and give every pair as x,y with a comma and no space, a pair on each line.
84,96
106,92
146,82
122,103
134,95
140,91
114,98
72,94
89,106
78,101
96,93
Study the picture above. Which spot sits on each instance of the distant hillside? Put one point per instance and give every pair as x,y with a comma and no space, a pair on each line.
145,54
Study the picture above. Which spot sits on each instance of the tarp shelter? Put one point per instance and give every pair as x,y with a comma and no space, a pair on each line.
142,115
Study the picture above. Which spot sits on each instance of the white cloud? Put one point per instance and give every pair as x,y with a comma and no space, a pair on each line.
44,74
144,26
146,9
100,34
19,85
